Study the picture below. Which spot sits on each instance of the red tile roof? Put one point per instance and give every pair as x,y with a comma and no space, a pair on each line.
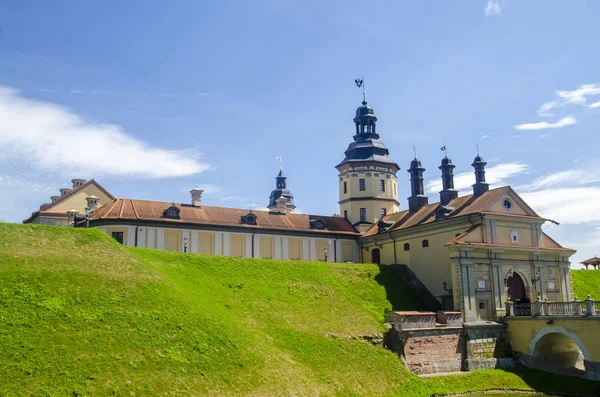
463,205
592,261
143,210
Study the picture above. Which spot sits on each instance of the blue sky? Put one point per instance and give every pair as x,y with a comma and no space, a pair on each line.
152,98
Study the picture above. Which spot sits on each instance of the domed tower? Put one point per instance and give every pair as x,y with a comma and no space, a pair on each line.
281,199
367,176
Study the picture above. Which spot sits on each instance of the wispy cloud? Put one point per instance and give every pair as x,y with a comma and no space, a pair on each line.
542,125
492,8
595,105
495,176
49,137
566,178
571,205
573,97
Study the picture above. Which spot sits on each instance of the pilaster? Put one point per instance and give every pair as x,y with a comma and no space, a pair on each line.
218,243
193,244
285,248
305,249
226,244
313,249
131,236
248,238
277,247
160,238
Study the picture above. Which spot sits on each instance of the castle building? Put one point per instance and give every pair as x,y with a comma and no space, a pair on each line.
473,253
367,176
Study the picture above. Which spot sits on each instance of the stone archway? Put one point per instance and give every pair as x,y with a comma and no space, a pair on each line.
516,289
556,349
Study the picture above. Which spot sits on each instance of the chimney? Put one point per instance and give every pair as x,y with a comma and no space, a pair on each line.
54,198
72,213
196,194
77,183
92,202
480,185
448,193
417,200
64,191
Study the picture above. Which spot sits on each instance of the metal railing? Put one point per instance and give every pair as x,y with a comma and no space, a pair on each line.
589,307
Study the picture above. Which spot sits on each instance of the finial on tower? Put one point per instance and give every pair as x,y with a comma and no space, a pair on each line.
443,148
361,83
280,160
477,146
415,150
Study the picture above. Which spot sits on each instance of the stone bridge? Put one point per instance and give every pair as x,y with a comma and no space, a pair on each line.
558,337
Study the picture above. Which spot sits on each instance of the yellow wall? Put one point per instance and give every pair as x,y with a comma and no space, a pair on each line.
110,230
267,247
295,248
503,230
522,331
237,245
347,251
206,243
173,240
320,246
372,177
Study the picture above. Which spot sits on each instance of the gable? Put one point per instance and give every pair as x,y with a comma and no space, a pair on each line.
77,199
510,198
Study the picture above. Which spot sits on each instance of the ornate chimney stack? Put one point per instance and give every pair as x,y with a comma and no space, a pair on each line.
72,213
64,191
448,193
92,202
77,183
196,194
480,185
417,200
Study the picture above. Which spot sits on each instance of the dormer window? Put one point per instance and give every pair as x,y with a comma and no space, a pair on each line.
249,219
172,212
318,224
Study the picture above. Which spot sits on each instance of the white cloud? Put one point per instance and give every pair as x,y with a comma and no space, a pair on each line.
495,176
492,8
51,138
570,205
573,97
595,105
542,125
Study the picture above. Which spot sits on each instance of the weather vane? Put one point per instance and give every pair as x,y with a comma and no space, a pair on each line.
361,83
280,160
443,149
477,146
415,150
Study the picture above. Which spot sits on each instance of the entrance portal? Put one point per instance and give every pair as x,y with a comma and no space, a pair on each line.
516,289
376,256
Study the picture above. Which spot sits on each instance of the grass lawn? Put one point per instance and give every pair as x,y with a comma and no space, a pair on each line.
82,315
586,282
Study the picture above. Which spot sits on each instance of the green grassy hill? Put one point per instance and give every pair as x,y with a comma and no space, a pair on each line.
82,315
586,282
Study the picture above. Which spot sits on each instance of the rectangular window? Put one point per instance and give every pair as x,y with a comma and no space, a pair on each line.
383,211
346,214
363,214
361,185
118,236
382,185
345,187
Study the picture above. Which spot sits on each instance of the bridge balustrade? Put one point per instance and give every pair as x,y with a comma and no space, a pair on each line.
588,307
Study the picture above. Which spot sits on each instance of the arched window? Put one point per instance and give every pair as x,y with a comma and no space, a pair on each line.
406,246
425,243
